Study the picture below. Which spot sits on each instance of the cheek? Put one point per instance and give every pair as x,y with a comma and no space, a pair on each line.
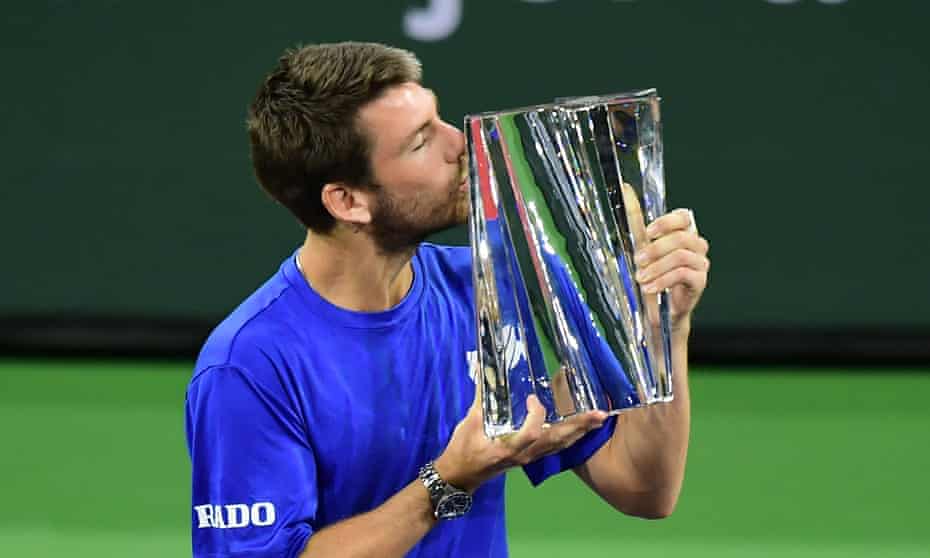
425,173
434,173
450,171
408,175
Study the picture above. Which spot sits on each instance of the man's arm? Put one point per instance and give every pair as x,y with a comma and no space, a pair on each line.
469,460
391,529
640,470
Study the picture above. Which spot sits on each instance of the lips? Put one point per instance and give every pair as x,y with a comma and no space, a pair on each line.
463,169
463,177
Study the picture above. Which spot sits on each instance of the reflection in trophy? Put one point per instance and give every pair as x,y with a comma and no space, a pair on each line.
560,198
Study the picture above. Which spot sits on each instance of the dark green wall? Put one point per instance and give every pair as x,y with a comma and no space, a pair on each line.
797,132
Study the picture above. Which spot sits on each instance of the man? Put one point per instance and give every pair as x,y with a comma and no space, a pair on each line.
332,413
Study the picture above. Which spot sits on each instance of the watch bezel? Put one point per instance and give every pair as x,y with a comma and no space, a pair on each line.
453,504
448,501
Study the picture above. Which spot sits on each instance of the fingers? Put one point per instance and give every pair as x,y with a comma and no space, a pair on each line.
677,254
679,258
690,278
574,427
669,243
537,438
678,220
671,262
556,437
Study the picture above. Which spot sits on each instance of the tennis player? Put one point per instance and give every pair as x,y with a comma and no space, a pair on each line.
332,413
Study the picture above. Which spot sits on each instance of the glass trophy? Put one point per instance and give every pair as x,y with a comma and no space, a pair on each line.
561,195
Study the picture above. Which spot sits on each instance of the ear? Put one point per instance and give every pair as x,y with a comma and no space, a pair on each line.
347,204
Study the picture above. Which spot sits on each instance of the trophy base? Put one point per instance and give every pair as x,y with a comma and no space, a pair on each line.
495,431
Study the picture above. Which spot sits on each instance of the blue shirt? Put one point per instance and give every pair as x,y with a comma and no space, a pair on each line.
301,414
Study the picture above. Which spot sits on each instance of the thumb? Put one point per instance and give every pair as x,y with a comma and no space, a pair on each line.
479,388
535,412
531,429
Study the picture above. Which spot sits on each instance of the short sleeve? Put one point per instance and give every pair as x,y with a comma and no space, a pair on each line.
571,457
254,485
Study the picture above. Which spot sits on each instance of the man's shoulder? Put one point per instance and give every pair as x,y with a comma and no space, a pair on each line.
250,332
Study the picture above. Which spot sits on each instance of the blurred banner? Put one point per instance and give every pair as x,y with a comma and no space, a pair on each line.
796,130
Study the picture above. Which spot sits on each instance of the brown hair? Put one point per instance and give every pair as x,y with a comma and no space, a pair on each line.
302,123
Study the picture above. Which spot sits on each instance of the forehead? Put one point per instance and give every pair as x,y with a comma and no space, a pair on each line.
397,113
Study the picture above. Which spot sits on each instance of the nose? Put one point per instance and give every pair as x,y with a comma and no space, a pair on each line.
456,143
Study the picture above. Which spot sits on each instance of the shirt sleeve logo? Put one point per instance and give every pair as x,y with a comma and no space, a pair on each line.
234,516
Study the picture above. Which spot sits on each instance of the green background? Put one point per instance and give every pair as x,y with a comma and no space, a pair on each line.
782,463
797,132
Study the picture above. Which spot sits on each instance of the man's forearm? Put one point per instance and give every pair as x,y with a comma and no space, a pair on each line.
654,440
640,469
389,530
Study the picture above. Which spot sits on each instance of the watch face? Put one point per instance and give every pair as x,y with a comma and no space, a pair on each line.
453,505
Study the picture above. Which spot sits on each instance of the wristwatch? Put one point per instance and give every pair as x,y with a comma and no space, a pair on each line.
448,501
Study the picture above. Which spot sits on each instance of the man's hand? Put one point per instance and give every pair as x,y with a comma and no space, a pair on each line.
471,458
675,258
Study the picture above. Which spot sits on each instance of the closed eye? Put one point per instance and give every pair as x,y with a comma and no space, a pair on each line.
422,143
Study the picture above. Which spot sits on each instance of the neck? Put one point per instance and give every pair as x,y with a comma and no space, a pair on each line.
347,270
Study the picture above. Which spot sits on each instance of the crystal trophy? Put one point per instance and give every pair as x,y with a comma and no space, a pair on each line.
561,195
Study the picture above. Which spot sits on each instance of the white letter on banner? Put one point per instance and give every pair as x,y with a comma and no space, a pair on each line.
237,515
218,520
257,509
204,516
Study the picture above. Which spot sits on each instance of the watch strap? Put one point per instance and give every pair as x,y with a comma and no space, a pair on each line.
433,483
442,494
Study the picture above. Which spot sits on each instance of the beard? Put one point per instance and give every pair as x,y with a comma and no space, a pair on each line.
398,226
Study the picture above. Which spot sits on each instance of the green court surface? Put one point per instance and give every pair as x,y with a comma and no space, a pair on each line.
783,462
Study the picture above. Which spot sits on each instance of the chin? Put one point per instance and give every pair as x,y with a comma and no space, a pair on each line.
461,211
